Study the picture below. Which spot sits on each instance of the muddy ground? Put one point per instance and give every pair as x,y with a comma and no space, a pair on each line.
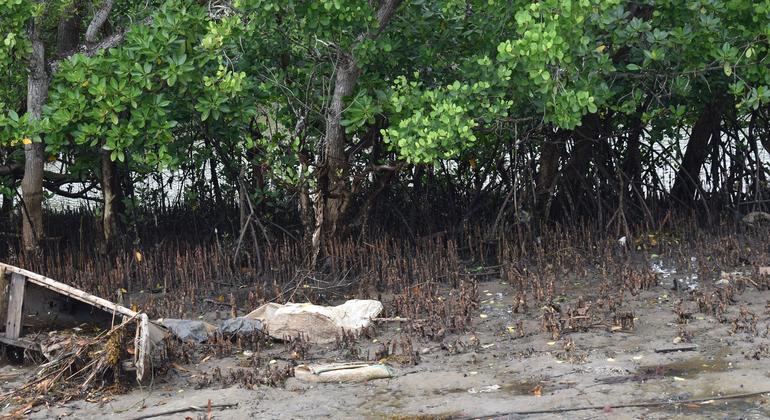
503,365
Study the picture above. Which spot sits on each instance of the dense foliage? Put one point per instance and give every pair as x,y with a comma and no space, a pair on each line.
327,110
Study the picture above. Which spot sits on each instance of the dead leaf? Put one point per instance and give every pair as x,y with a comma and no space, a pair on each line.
177,367
19,413
538,391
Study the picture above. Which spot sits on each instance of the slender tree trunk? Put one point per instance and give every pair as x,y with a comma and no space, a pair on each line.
32,183
550,155
718,194
632,162
418,190
759,179
7,208
687,181
764,137
243,197
220,202
113,200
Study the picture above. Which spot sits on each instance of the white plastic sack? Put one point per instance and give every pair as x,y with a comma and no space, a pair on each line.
343,372
318,324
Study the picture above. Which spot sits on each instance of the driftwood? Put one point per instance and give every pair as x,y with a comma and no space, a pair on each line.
186,409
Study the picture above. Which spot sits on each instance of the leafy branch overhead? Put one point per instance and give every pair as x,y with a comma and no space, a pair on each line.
318,93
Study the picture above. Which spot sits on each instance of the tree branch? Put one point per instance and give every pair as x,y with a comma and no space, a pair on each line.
80,195
17,171
98,21
385,13
111,41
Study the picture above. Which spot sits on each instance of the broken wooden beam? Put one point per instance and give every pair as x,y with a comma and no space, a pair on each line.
13,320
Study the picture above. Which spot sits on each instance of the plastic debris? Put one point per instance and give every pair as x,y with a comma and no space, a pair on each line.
317,324
189,330
484,389
240,325
343,372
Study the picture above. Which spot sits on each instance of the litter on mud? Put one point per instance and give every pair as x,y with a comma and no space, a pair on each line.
484,389
343,372
188,330
97,339
317,324
59,321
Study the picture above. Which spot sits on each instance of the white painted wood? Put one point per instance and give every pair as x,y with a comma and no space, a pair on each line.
15,304
69,291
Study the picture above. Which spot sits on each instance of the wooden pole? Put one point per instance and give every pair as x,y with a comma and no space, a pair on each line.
15,304
3,296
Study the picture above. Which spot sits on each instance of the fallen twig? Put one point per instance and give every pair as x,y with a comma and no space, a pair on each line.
216,302
186,409
397,319
673,349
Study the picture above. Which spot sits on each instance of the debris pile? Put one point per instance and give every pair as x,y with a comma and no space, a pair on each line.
90,345
79,366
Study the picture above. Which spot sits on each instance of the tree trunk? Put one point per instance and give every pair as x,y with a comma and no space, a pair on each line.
687,181
333,196
68,32
113,200
218,199
550,155
632,162
32,183
575,175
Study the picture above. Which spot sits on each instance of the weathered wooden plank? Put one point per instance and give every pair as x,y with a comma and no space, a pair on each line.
70,291
4,283
26,344
15,303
